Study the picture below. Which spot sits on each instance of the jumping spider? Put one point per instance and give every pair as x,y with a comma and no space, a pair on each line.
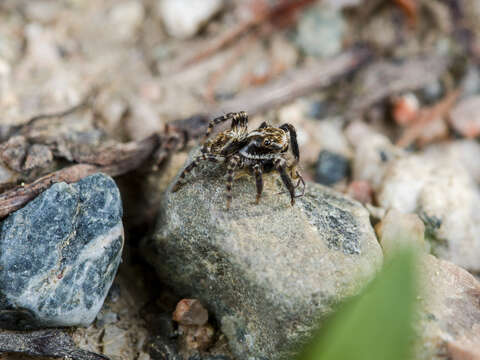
259,151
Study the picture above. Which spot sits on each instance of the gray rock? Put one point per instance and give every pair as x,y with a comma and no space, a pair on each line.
320,31
331,168
265,271
373,153
59,254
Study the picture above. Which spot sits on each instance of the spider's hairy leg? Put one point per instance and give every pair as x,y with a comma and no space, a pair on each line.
293,140
298,176
281,166
233,164
236,117
257,170
262,125
204,157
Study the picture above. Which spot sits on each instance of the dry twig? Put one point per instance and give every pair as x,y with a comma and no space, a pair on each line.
261,12
426,116
297,83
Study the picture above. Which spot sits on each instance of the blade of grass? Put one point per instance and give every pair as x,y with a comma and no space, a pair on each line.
377,324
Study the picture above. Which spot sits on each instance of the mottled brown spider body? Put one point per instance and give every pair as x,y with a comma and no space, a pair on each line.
259,151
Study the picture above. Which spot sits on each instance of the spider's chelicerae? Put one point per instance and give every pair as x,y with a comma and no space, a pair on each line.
259,151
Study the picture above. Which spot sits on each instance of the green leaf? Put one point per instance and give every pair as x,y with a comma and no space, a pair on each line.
377,324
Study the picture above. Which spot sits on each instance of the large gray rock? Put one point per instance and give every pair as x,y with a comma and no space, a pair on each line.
59,255
266,271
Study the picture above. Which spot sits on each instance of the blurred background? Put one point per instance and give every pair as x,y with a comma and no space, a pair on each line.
384,94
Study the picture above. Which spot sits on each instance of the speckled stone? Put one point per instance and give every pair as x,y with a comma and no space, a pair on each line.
265,271
59,255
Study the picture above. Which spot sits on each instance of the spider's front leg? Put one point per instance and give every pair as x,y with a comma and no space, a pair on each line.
233,164
204,157
257,170
238,119
293,140
281,167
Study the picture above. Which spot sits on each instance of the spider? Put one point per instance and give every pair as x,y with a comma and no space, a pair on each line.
259,151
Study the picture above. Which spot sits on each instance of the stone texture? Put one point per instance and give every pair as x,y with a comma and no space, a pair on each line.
331,168
320,31
446,198
397,230
449,312
184,18
373,153
265,271
465,118
59,254
190,312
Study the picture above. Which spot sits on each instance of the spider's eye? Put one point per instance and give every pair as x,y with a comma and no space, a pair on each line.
266,142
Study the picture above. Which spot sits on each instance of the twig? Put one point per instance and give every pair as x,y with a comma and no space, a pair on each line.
382,79
216,76
297,83
84,103
121,160
426,116
263,13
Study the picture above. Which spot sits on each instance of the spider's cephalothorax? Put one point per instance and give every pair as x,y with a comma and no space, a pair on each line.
259,151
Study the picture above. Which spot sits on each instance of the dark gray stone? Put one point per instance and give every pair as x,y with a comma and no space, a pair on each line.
266,272
331,168
59,254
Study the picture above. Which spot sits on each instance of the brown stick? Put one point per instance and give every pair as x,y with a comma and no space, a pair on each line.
436,112
264,12
130,156
296,83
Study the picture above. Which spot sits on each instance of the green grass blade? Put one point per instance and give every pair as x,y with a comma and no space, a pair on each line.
377,324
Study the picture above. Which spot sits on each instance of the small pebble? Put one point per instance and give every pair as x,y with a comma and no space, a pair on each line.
405,109
184,18
190,312
104,318
432,92
127,16
115,342
197,337
320,32
331,168
360,190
